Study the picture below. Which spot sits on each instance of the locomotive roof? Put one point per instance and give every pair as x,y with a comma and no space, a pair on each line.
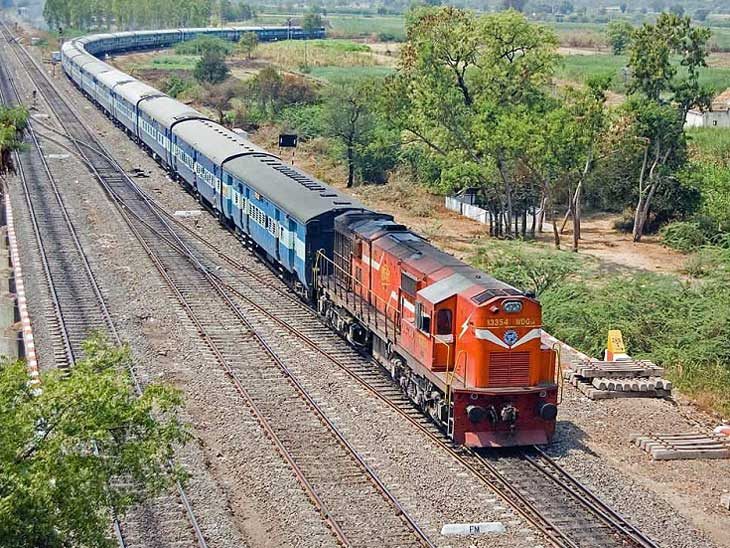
418,257
421,257
216,142
167,110
297,193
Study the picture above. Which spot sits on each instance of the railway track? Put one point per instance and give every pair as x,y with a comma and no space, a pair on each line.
356,505
548,497
534,484
78,306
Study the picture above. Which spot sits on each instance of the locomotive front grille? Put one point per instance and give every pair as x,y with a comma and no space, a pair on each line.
509,369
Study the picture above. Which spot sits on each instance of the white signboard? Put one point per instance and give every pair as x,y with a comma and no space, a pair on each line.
490,527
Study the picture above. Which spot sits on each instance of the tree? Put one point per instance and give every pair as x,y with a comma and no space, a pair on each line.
219,96
517,5
211,68
62,449
660,99
13,123
619,32
248,43
227,10
266,87
92,14
312,20
347,117
586,120
245,12
467,87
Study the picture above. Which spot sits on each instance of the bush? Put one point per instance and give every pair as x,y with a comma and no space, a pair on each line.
625,223
176,86
527,267
305,120
388,37
203,44
683,236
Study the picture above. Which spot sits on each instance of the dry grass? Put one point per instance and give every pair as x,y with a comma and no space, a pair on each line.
320,53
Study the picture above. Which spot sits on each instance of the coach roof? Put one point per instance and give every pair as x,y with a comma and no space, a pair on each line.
135,90
216,142
167,110
298,194
113,77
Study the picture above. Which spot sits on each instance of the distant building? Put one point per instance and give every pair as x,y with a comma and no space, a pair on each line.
717,116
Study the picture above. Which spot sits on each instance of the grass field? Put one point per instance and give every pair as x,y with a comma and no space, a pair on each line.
579,68
709,144
171,62
327,59
348,26
349,73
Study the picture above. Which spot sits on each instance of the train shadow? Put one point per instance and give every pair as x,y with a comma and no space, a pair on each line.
568,437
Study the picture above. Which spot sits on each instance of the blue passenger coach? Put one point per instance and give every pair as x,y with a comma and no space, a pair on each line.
157,117
285,213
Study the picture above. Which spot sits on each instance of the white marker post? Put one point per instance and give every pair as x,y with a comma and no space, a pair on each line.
490,527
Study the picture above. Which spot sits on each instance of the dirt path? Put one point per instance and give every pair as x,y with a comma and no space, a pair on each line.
617,250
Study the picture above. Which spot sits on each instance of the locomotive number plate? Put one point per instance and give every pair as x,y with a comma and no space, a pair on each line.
511,322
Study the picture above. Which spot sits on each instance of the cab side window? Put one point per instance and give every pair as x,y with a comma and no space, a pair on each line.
423,321
444,322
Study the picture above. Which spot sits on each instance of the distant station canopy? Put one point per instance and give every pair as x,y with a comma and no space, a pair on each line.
288,140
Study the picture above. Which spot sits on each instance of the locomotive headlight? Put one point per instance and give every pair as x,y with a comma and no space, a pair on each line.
512,307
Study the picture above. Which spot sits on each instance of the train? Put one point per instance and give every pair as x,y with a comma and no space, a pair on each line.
465,347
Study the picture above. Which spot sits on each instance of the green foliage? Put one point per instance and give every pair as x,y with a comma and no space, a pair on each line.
61,449
366,142
235,11
176,86
211,68
333,74
350,26
312,20
304,120
204,44
528,267
248,43
683,236
581,312
173,62
472,89
619,32
653,72
127,14
13,123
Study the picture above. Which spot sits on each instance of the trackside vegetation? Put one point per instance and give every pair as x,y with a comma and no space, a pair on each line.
683,325
80,445
13,123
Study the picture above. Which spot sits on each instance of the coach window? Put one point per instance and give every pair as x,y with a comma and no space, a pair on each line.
443,322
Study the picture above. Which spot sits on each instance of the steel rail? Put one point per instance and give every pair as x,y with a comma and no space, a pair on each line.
128,214
92,279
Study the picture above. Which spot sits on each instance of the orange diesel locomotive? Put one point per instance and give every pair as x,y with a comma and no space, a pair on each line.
465,347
